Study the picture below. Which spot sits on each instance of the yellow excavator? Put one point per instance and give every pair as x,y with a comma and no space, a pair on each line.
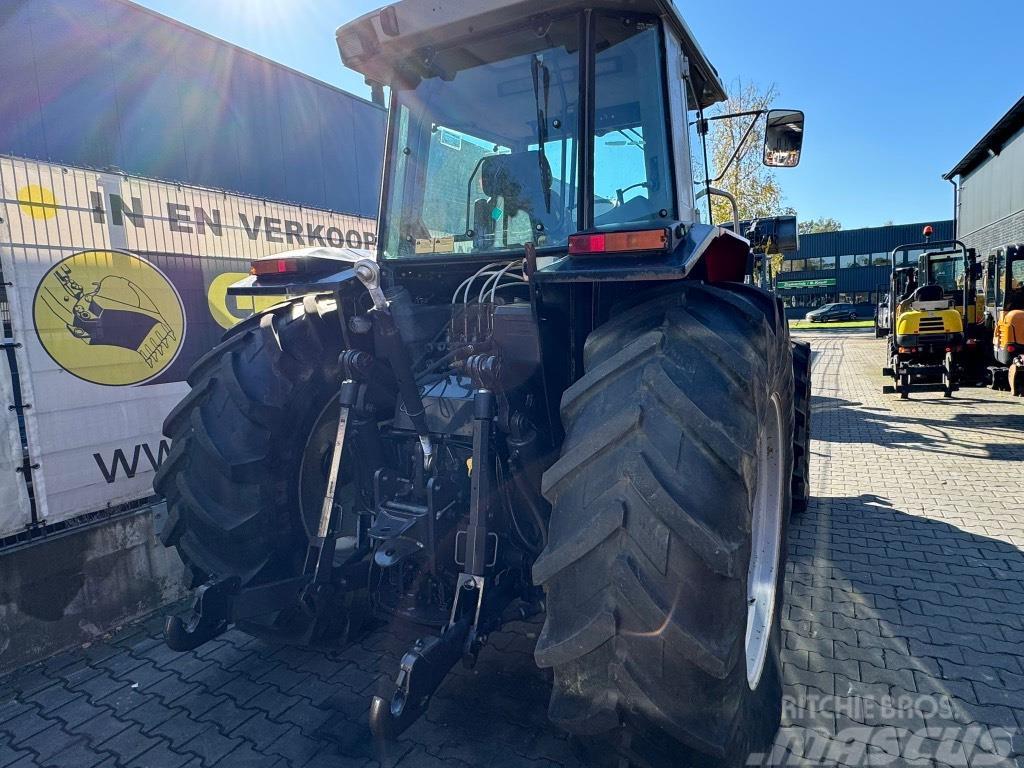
927,331
1004,315
958,277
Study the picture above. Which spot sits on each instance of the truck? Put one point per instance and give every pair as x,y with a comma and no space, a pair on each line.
552,389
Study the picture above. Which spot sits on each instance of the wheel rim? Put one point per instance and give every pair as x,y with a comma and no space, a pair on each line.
766,544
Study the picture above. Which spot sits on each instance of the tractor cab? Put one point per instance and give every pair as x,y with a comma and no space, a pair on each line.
564,130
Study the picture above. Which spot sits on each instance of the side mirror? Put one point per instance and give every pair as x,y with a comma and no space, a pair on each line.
783,138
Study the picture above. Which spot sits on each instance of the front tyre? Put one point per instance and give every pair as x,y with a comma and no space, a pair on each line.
666,549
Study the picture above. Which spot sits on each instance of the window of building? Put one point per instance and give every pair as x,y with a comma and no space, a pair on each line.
797,265
847,260
828,262
880,259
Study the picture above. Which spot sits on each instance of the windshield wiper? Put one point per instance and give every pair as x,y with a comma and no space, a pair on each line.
541,72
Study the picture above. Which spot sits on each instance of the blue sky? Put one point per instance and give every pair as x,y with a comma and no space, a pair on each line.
895,91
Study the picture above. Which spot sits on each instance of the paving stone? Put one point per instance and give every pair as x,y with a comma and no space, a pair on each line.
227,715
100,686
79,755
179,729
295,748
305,716
76,712
14,708
160,756
211,745
244,756
101,727
261,731
129,744
52,741
26,725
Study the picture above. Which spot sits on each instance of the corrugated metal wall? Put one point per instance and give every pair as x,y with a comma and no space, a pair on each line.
107,84
869,240
992,200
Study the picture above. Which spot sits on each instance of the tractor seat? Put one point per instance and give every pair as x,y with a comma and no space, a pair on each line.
521,179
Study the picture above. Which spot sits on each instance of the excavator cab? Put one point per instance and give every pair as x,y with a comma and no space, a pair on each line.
927,332
1004,317
958,273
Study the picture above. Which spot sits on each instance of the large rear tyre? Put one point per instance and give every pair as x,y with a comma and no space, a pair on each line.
801,486
247,467
666,549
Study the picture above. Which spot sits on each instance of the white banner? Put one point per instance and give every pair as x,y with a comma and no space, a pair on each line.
116,286
15,511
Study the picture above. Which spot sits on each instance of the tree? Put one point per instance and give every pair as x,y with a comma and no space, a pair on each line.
823,224
757,191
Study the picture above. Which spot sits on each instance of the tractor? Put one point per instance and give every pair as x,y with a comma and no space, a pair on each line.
552,389
926,332
1004,317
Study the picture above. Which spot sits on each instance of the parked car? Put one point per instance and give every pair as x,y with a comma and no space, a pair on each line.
831,313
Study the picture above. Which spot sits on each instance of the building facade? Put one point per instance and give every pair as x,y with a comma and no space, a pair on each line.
990,186
112,86
850,266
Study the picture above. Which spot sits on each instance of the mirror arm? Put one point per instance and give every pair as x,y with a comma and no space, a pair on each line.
749,113
739,146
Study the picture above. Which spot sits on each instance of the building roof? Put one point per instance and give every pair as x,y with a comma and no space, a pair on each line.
992,142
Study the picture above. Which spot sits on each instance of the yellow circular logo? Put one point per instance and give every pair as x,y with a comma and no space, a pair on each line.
228,311
109,317
37,202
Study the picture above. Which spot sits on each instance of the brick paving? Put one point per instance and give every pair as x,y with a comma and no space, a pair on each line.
903,629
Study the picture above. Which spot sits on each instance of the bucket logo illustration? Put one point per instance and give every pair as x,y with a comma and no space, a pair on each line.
109,317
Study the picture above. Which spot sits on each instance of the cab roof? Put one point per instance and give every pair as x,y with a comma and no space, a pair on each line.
380,42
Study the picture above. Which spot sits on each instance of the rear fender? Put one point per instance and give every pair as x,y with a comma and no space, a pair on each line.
321,270
703,252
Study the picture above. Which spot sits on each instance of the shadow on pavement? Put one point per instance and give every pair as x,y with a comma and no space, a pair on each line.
854,422
904,639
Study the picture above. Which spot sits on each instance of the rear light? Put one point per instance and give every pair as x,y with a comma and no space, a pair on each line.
1012,348
905,350
618,242
277,267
